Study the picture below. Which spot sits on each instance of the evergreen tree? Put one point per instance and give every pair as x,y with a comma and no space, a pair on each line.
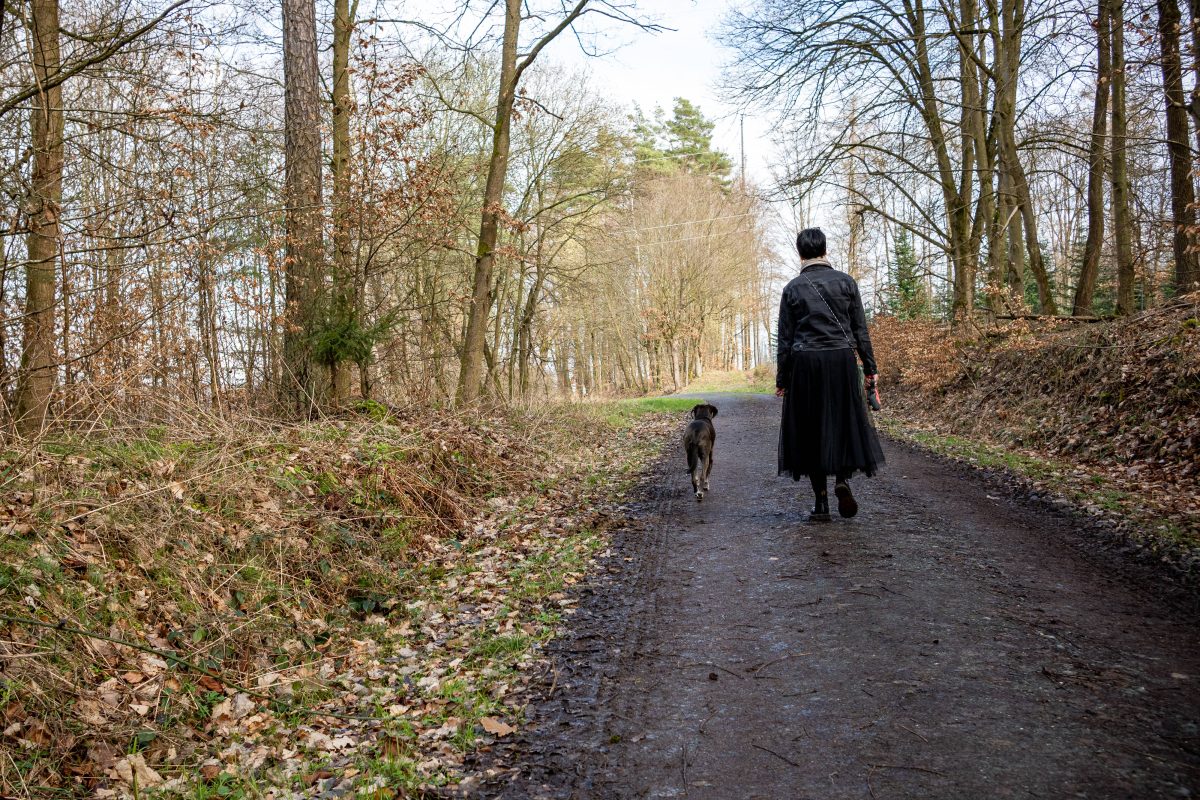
683,142
690,137
907,296
649,145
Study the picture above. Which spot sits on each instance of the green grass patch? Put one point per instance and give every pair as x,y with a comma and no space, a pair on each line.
760,380
621,413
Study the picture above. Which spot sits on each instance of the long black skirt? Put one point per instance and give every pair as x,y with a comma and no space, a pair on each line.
826,427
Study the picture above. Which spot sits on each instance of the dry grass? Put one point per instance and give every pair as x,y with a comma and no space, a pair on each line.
204,555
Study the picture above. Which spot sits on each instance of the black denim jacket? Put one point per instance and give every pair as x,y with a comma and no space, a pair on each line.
805,322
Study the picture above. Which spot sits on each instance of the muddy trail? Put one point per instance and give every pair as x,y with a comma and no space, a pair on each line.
952,641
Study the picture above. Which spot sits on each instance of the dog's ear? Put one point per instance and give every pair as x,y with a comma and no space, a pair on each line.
695,408
712,410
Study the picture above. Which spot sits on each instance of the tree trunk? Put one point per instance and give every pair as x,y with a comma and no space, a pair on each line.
305,384
1122,220
1086,288
346,278
35,381
1183,194
1008,66
475,338
1194,105
958,208
1015,274
470,371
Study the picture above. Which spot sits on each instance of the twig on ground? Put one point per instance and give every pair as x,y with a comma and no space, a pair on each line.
764,665
914,733
737,675
910,767
783,758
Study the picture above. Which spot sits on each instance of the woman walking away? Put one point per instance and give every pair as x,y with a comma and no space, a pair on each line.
826,429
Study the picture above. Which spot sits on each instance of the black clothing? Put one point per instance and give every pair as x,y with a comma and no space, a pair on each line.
826,428
806,321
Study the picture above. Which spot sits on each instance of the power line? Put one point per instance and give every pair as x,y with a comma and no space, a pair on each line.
671,241
688,222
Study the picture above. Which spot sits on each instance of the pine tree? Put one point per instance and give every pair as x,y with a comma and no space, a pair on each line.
907,296
690,137
683,142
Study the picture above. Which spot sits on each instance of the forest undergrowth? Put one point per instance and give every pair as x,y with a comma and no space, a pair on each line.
1100,416
257,609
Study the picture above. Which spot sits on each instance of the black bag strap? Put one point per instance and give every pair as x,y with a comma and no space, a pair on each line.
821,295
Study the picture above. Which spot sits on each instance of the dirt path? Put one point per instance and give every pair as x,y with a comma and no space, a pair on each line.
947,643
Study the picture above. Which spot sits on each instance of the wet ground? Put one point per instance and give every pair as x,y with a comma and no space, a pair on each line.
952,641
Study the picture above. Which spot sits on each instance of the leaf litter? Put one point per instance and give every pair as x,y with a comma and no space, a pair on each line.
1099,417
312,610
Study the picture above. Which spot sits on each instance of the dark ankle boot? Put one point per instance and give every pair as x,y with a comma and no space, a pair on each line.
820,509
847,505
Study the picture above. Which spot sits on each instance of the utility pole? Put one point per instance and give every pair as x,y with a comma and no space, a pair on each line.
742,132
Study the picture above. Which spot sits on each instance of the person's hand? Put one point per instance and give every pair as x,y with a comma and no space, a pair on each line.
871,389
780,392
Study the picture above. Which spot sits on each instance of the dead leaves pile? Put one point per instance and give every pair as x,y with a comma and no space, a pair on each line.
1117,403
367,598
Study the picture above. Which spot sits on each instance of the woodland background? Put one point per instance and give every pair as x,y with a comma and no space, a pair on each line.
171,265
215,203
284,289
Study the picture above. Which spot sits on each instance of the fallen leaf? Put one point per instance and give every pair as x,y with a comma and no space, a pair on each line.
318,775
231,709
134,770
211,684
496,727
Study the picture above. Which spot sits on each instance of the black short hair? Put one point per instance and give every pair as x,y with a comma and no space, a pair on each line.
811,243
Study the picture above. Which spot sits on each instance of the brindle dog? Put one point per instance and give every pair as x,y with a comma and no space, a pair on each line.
698,440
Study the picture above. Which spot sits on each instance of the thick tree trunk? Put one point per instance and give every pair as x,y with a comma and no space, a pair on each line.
1086,288
305,383
35,381
1183,194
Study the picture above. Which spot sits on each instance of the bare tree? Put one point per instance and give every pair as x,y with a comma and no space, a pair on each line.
38,366
1183,192
1085,289
1122,223
512,67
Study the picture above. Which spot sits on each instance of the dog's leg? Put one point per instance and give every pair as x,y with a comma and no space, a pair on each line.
708,462
698,475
